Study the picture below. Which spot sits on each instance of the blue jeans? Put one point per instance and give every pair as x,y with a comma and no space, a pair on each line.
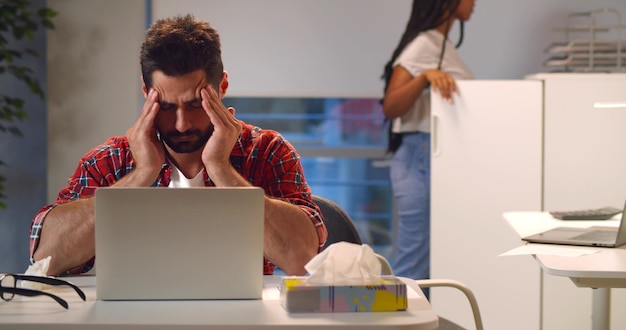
410,183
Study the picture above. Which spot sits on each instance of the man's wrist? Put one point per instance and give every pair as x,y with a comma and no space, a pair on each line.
225,175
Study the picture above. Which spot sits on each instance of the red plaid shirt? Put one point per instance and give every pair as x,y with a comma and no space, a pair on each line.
263,157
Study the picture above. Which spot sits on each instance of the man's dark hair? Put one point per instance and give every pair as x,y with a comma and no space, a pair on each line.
181,45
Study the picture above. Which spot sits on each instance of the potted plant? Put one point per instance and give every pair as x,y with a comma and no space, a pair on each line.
19,21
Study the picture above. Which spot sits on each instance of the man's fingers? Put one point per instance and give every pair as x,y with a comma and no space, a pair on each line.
215,109
146,118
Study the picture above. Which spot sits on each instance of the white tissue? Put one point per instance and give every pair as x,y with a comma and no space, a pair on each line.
39,268
344,263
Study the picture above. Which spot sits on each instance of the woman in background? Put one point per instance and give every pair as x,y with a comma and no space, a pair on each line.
423,59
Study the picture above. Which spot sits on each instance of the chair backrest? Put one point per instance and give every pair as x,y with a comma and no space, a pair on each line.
338,223
341,228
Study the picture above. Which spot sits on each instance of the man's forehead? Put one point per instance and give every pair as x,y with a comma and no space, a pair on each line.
184,81
190,100
184,88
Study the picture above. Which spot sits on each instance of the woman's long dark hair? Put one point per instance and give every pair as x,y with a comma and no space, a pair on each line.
425,15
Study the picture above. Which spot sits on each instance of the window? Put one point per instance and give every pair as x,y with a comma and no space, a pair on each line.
342,143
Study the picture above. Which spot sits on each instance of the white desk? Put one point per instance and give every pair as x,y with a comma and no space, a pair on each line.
601,271
45,313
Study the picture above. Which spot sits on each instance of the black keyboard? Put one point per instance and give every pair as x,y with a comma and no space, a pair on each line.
587,214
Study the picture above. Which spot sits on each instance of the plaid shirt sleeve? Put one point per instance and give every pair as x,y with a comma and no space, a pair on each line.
101,166
262,156
269,161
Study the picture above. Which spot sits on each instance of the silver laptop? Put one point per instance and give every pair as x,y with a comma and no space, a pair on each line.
592,236
179,243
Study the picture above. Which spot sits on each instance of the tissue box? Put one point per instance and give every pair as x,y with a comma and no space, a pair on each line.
298,296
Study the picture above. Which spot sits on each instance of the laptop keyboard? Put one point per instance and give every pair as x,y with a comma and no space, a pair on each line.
597,236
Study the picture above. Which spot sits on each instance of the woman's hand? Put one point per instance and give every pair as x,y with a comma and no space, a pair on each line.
441,82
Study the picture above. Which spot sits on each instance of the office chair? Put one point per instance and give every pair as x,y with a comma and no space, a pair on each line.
338,223
341,228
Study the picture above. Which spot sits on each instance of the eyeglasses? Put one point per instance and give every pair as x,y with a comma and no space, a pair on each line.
8,287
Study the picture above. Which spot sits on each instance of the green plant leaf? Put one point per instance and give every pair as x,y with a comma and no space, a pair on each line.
15,131
47,24
2,188
20,20
32,52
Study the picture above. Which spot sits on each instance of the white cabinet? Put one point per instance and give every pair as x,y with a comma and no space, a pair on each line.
584,167
486,160
534,144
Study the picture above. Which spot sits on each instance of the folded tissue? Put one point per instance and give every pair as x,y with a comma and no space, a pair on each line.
345,277
38,268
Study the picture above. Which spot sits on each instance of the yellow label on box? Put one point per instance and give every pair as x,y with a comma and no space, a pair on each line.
387,295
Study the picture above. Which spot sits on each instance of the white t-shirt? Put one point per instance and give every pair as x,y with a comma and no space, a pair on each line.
178,179
420,55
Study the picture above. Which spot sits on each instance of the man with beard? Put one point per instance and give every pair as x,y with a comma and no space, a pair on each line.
185,137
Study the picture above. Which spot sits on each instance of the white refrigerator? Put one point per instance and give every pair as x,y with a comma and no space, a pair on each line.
520,145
